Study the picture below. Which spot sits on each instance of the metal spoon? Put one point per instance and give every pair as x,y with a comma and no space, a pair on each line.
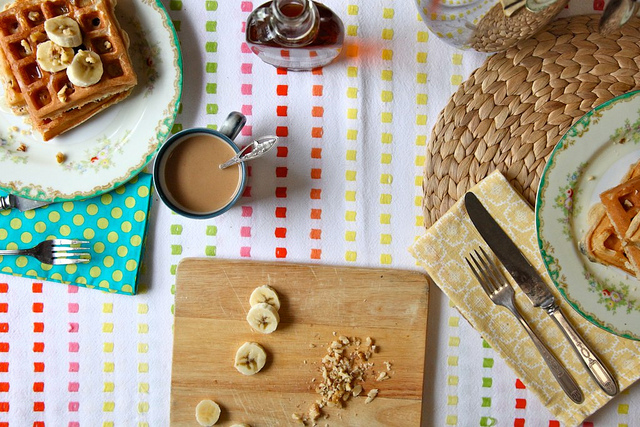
256,149
616,14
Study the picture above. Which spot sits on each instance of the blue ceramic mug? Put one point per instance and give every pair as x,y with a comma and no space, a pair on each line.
186,172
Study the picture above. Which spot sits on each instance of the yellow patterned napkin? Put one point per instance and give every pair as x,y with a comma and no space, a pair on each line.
441,252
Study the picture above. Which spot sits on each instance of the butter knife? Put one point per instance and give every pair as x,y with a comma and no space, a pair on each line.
22,204
535,288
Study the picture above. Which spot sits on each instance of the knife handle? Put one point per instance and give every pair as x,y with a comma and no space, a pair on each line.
6,202
563,376
594,365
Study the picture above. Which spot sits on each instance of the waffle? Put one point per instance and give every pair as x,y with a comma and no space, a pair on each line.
50,128
47,97
614,235
601,243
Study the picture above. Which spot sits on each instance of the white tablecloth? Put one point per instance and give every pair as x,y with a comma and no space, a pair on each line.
343,188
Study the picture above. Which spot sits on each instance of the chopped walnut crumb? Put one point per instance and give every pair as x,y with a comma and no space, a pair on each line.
25,45
356,390
383,376
314,412
62,94
37,37
371,395
387,365
60,157
34,15
107,44
22,148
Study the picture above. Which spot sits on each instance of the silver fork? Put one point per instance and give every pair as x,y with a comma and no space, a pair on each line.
55,252
497,287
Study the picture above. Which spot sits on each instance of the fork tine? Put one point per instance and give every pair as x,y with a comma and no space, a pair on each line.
70,254
68,249
498,276
66,261
482,282
487,271
475,273
68,242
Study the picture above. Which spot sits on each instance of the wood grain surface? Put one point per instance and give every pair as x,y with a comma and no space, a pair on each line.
212,300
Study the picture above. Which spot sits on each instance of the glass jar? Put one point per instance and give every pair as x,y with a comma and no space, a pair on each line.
487,25
295,34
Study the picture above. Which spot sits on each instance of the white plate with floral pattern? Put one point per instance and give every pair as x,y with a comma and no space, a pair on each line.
593,156
116,144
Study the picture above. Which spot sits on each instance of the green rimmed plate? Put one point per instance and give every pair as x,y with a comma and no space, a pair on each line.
593,156
116,144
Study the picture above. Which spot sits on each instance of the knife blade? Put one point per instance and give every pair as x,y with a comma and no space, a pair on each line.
11,201
534,286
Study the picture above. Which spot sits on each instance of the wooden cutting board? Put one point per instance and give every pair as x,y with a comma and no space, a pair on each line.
212,300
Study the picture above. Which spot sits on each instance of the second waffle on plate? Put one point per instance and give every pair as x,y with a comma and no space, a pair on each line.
56,100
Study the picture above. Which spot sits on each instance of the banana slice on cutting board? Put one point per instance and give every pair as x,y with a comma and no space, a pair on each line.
52,57
85,69
207,413
250,358
63,31
266,294
263,318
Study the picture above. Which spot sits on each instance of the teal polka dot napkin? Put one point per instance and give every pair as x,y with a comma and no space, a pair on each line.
114,223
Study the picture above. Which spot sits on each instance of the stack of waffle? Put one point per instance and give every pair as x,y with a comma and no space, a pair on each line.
55,104
614,235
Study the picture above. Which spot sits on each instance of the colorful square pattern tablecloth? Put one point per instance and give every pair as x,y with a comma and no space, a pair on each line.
342,187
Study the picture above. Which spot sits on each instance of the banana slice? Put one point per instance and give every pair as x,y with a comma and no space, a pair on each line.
63,31
263,318
53,58
250,358
85,69
267,294
207,413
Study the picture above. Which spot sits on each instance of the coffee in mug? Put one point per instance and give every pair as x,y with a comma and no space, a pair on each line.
187,173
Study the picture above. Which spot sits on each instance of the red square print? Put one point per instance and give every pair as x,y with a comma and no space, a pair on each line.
281,232
281,172
316,153
282,90
316,254
317,132
282,151
316,173
316,213
317,90
282,110
282,131
317,111
281,212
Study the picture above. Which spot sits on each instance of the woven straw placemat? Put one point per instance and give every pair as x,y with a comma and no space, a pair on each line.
513,110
